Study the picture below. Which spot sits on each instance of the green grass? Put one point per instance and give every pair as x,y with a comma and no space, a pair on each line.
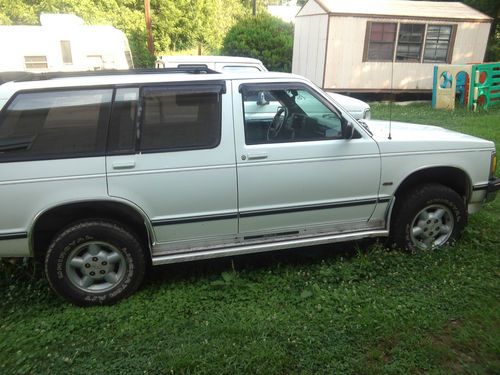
343,309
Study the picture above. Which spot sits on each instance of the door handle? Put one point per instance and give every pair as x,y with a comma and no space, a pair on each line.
257,156
128,164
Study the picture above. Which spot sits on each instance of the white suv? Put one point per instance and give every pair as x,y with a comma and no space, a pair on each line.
232,64
104,173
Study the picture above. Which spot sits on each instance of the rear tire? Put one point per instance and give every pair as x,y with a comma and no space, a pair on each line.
95,263
428,217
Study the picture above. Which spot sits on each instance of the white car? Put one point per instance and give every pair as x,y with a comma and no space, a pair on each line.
357,108
104,173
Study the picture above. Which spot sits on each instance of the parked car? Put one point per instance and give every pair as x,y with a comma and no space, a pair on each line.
104,173
357,108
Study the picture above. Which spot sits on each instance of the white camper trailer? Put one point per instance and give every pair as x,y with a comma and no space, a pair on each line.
63,43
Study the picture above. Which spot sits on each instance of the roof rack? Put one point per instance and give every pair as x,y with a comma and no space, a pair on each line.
28,76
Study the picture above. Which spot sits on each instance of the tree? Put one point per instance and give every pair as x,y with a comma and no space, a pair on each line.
263,37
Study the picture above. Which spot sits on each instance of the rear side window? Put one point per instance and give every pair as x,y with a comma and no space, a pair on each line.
55,124
181,118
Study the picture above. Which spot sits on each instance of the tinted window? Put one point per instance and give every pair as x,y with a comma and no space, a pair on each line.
287,115
55,124
123,121
180,118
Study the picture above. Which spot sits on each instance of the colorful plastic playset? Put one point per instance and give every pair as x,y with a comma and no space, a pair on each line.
453,84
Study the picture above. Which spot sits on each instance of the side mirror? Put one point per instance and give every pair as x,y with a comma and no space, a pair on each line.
261,99
347,130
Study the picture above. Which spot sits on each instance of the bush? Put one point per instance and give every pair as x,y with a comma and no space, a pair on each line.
262,37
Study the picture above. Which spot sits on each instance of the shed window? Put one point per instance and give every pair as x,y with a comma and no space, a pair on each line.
381,41
410,40
35,62
437,43
423,43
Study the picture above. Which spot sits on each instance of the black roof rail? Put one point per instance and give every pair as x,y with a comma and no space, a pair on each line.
28,76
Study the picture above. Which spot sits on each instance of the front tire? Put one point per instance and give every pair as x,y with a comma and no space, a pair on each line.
428,217
95,263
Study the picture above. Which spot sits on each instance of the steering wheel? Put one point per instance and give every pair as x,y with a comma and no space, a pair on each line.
277,123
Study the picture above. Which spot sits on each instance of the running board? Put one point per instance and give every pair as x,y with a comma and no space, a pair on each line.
263,247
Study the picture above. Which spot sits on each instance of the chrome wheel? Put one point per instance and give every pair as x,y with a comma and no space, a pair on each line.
96,267
432,227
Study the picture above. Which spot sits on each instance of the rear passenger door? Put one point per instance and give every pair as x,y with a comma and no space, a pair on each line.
171,153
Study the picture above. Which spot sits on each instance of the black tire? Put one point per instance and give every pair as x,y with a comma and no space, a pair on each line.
102,251
427,217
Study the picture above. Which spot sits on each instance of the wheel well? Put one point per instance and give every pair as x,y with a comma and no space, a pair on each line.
57,218
454,178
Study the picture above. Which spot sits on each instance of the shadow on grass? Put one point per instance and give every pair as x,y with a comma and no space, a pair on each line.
212,268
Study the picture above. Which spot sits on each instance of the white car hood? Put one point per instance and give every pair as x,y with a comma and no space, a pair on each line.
348,102
416,137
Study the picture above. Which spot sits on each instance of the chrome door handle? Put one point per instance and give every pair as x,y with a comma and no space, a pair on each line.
257,156
129,164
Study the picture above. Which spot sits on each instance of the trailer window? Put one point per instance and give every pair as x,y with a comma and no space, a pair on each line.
66,52
35,62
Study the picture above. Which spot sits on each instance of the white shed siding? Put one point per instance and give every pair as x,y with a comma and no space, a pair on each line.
309,47
470,43
346,70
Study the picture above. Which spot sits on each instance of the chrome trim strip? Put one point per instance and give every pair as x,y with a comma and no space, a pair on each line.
430,152
248,249
171,170
34,180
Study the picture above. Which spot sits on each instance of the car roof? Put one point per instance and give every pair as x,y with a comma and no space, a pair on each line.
8,88
210,59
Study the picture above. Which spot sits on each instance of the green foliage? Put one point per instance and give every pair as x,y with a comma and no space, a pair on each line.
263,37
184,24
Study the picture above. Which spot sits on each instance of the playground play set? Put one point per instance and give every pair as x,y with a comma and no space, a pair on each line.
473,86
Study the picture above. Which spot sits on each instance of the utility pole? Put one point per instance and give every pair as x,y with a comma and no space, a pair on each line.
254,9
147,13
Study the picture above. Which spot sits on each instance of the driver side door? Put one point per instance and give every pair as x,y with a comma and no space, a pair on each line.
296,173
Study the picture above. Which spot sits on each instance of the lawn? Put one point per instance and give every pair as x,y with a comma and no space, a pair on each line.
337,309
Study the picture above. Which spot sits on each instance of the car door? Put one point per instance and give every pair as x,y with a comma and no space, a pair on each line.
176,161
296,172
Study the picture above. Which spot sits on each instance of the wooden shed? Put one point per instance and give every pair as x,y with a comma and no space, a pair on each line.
381,45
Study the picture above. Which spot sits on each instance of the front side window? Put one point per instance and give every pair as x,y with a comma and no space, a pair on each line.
382,37
55,124
437,43
181,118
287,114
410,40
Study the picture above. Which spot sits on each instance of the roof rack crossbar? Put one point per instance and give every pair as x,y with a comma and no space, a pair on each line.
28,76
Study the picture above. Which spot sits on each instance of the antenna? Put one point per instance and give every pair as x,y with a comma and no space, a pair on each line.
391,100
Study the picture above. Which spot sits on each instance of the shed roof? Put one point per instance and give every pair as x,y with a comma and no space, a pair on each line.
403,8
